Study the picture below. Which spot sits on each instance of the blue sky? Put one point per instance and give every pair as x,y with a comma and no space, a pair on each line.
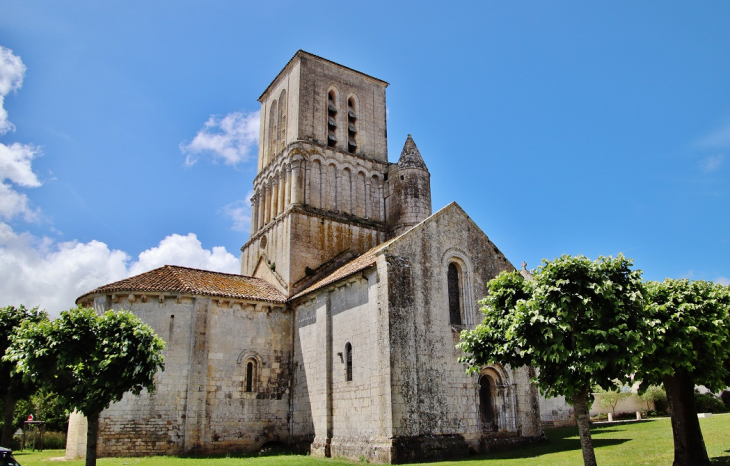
128,129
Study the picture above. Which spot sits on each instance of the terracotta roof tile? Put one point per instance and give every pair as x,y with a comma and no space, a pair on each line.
175,279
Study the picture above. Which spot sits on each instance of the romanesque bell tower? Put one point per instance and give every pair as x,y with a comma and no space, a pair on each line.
322,193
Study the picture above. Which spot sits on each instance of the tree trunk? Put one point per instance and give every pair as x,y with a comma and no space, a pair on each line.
689,446
92,434
9,407
579,401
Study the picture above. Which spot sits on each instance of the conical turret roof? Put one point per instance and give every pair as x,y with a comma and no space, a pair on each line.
410,157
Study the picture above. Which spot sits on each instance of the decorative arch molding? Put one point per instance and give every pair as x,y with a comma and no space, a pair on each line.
249,354
501,375
317,158
496,398
251,364
460,259
355,98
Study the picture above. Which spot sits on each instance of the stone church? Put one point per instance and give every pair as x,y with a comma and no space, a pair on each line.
338,335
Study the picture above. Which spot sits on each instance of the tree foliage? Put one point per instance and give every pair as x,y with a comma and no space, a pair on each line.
12,386
90,360
687,344
44,406
690,332
578,321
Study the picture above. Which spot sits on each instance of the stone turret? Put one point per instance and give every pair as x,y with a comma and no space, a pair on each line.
410,197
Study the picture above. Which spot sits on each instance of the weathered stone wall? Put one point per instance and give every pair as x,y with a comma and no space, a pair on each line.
200,403
76,436
435,404
556,412
318,77
349,418
153,423
409,200
301,241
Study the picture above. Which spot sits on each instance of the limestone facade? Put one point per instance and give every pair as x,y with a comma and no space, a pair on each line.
339,335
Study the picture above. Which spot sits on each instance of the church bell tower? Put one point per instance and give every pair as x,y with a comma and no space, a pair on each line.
319,194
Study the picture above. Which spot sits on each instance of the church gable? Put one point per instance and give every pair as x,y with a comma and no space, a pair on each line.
266,271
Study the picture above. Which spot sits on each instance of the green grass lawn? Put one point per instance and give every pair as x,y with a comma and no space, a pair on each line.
646,443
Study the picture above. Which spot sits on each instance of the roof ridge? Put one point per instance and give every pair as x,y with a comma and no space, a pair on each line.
203,270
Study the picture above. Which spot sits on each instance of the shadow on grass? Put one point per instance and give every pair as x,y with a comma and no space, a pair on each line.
559,440
720,460
269,449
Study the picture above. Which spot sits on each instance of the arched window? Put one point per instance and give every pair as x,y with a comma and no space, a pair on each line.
351,125
487,392
272,131
331,118
282,121
348,362
250,382
454,290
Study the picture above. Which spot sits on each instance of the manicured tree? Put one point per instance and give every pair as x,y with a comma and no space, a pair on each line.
688,344
610,398
90,360
12,386
653,394
578,321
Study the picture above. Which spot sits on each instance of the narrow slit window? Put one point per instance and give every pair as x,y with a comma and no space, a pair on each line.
454,290
250,375
348,362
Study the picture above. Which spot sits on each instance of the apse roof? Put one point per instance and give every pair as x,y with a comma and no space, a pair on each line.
175,279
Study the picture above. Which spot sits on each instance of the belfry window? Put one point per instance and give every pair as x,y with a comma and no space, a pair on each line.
454,291
331,119
351,125
250,382
348,362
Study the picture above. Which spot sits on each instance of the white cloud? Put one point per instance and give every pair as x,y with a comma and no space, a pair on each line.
12,71
240,213
723,281
15,159
15,167
186,251
712,163
15,164
719,138
50,274
233,139
14,204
